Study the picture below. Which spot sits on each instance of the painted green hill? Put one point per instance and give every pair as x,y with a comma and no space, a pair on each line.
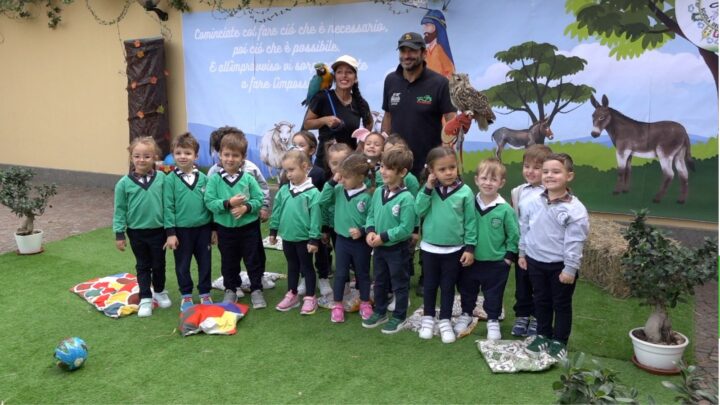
595,178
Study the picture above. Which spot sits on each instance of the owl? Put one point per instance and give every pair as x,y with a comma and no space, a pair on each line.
474,103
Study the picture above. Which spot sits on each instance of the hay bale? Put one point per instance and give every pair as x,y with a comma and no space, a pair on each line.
601,263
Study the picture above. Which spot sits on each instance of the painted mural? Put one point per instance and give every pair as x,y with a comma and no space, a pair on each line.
622,86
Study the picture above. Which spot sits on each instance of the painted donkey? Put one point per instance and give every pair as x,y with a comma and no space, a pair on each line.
521,138
665,140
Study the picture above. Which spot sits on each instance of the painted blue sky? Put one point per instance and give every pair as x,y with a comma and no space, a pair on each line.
671,83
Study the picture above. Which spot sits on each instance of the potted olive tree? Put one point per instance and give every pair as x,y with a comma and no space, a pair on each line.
27,202
662,273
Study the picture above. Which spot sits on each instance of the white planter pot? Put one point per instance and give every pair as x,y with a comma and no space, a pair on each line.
29,244
660,357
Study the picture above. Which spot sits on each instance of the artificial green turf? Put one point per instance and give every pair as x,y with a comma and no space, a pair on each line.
275,357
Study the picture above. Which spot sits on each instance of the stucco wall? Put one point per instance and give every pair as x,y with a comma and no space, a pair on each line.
63,103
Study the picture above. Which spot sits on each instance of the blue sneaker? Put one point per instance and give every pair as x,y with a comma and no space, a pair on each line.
520,328
186,302
532,327
205,299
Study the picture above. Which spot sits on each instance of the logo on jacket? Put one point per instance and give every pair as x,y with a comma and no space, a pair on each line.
424,100
396,210
361,206
395,99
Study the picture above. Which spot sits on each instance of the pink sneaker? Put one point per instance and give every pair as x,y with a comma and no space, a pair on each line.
366,310
309,305
338,314
289,302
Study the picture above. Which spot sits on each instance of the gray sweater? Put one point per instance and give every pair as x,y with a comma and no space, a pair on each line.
556,230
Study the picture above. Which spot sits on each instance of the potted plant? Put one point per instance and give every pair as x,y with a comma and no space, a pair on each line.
26,201
596,385
661,272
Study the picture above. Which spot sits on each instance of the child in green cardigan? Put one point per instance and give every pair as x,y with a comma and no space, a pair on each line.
448,239
296,218
373,146
390,223
187,220
139,212
497,247
235,199
347,194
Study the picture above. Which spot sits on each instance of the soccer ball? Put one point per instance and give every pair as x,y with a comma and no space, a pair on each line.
71,353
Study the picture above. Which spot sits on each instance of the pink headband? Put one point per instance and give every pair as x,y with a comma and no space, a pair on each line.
360,134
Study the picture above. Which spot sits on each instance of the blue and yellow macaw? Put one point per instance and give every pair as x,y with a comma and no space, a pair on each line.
322,80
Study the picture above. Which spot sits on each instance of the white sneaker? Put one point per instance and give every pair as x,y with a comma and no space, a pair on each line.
267,283
462,323
257,299
493,330
145,308
162,299
391,305
446,331
325,288
239,292
427,324
301,287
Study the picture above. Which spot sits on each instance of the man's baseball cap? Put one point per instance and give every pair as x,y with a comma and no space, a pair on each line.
411,40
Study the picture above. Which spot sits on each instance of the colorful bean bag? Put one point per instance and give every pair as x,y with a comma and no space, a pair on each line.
213,319
115,296
509,356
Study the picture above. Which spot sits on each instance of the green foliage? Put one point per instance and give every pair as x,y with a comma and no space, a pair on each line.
21,9
627,27
537,77
16,193
660,271
599,385
692,390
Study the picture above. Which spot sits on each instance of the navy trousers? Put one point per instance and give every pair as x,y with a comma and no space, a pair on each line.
524,305
323,260
193,242
440,270
553,299
299,261
241,244
356,254
390,266
147,246
488,276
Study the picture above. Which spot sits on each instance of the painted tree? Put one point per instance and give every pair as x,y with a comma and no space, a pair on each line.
538,76
630,27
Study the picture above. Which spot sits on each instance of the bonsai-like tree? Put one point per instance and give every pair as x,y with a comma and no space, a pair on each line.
662,272
15,193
